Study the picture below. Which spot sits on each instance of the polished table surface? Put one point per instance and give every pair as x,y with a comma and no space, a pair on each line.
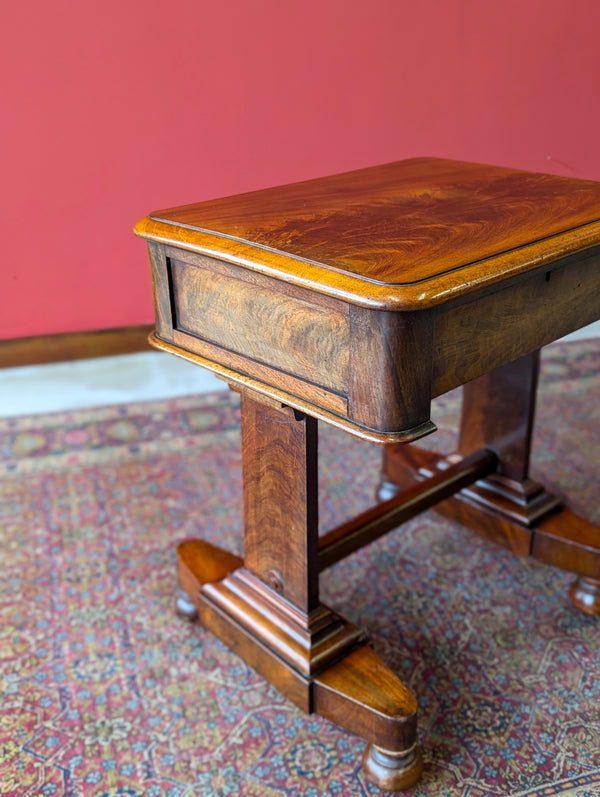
410,278
355,299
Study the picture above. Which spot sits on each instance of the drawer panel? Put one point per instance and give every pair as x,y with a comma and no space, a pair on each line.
263,324
472,339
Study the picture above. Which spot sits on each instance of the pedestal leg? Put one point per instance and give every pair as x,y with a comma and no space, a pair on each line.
267,608
508,507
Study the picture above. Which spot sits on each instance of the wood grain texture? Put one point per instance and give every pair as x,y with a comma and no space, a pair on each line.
343,540
161,290
390,369
508,507
325,407
256,321
498,412
402,465
570,542
474,337
360,693
406,234
279,458
199,562
357,298
239,369
307,642
364,295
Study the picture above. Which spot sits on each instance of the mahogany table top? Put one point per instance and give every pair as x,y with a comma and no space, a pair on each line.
359,297
409,234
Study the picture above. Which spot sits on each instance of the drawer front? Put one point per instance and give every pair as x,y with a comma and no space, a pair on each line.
259,320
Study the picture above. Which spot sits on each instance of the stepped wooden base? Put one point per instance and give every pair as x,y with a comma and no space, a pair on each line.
522,517
266,607
323,664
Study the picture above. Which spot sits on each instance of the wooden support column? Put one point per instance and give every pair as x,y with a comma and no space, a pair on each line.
507,507
498,413
281,520
266,607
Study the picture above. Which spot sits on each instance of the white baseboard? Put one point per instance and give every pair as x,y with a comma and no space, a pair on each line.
76,384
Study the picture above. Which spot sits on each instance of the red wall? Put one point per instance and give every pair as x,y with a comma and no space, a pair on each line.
112,109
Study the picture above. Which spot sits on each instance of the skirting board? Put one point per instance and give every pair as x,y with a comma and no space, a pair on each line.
74,345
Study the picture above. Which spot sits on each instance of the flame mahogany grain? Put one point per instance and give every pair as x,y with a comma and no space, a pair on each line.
355,299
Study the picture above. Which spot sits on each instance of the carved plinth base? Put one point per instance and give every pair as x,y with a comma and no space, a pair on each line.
525,502
320,661
520,516
494,508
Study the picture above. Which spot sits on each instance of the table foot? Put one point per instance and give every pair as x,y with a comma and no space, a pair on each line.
360,693
184,607
392,771
585,595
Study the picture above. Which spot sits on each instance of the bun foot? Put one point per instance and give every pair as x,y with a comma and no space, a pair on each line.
363,695
392,771
184,607
585,595
386,490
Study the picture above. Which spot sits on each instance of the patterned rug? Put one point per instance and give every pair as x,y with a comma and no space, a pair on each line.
104,692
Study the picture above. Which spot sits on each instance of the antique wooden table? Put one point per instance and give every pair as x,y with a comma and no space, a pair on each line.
356,299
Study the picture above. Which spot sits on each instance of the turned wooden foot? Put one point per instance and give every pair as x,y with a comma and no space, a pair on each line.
307,315
585,595
360,693
266,607
184,607
392,771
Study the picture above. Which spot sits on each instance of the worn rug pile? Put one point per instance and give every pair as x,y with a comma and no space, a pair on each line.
105,692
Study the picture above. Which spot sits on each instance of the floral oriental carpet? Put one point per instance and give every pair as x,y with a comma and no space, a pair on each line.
105,692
